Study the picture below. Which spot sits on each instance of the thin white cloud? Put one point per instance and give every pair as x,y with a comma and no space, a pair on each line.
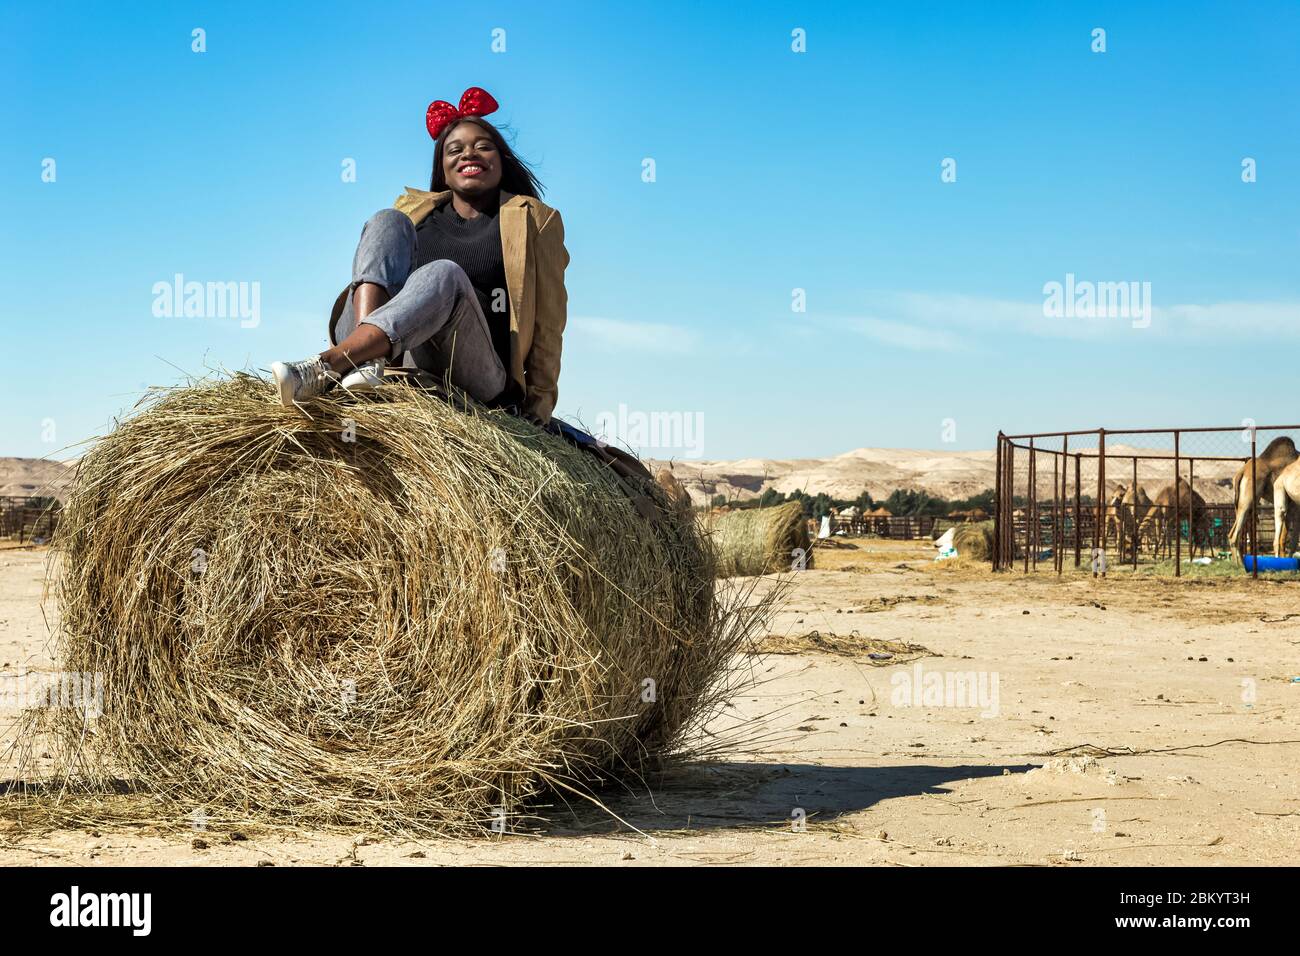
623,334
928,321
1232,319
971,313
915,337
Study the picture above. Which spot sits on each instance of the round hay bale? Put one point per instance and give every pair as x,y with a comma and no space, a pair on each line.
974,540
375,612
761,540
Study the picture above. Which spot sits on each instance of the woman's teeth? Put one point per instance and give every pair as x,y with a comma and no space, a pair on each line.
471,170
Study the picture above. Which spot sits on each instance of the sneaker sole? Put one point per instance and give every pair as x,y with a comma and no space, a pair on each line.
284,378
360,383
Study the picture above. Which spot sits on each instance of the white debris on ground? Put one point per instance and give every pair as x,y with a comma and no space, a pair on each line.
1085,765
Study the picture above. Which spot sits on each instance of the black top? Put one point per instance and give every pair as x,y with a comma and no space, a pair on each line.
475,246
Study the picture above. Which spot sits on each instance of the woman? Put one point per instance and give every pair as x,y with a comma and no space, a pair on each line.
465,281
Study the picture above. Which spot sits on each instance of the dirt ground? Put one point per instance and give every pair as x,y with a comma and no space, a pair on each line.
1135,721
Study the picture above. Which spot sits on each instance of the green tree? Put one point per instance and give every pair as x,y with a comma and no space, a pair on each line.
912,502
820,506
984,500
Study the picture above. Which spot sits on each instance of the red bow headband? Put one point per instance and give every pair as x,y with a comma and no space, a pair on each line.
474,102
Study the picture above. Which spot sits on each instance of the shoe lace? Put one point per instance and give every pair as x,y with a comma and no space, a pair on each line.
314,374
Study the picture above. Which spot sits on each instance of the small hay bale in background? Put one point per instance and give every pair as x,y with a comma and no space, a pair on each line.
761,540
973,540
381,613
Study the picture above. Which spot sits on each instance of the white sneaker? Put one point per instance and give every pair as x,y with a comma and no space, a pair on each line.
366,376
300,381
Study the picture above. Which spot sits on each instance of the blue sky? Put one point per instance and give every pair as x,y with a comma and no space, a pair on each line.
775,171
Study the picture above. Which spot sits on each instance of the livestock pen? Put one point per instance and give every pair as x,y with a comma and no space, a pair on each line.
28,518
1102,498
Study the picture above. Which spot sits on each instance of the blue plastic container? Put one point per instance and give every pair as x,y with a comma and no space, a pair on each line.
1268,562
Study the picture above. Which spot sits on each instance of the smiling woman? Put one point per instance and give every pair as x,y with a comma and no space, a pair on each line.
465,281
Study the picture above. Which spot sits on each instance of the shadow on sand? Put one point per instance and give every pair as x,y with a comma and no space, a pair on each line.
707,796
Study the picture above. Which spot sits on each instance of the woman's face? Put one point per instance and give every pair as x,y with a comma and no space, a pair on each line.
471,163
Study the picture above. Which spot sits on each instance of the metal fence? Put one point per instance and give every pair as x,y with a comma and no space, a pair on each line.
28,518
1097,498
904,527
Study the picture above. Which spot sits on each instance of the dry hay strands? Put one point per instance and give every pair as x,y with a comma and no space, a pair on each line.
761,540
973,540
888,653
376,612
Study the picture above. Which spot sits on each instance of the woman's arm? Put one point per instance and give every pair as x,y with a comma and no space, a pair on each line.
542,365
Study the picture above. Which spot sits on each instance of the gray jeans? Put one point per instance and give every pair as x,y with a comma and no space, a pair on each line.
433,319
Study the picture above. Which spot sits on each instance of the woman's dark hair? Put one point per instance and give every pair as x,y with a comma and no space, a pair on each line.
516,177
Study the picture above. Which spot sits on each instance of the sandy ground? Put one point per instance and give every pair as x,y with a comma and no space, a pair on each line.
861,773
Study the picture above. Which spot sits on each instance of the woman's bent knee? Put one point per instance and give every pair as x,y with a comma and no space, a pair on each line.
443,267
386,250
443,273
390,220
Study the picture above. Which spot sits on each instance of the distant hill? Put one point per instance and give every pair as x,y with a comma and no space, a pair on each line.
35,476
946,474
880,471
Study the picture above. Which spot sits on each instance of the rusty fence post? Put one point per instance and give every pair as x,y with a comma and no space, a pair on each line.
1031,511
1010,463
1078,511
1099,528
1178,511
997,502
1002,507
1065,498
1056,530
1254,506
1135,514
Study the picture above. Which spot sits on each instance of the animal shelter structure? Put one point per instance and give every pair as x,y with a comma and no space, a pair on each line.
1097,498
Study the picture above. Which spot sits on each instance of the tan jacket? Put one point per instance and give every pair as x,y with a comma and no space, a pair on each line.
532,245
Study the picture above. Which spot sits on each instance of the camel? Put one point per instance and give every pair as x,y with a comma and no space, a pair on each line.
1161,518
1134,506
1286,498
1279,454
1113,512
